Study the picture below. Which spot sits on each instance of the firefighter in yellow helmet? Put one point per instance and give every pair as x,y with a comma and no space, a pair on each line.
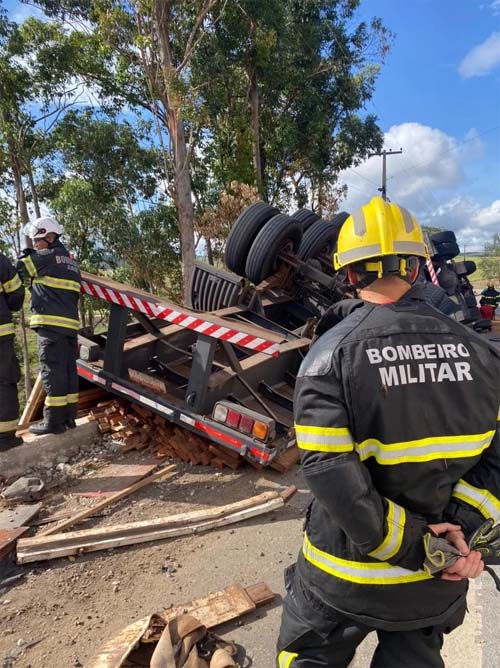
396,410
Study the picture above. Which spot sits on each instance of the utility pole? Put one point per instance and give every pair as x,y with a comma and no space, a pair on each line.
384,155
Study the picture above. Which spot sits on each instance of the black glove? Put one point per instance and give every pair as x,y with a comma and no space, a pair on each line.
26,251
486,540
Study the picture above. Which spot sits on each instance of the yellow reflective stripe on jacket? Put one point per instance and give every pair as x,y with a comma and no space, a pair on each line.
359,572
10,425
30,265
487,504
72,398
285,659
7,329
58,283
56,401
12,285
396,520
324,439
54,321
425,449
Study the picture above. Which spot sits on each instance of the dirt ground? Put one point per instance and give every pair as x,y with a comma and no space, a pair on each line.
68,607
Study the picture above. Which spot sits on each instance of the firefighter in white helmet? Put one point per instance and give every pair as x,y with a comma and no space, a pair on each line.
396,411
55,289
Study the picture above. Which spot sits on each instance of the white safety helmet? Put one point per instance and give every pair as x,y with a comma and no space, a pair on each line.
41,227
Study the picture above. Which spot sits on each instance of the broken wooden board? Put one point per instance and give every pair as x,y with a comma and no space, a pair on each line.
8,539
18,516
113,478
107,501
104,538
211,611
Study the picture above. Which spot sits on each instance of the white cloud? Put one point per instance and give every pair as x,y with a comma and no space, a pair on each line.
482,58
426,179
489,215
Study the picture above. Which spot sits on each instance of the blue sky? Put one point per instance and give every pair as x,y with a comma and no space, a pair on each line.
438,98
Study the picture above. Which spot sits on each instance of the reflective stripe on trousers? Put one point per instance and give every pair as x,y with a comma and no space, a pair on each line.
285,659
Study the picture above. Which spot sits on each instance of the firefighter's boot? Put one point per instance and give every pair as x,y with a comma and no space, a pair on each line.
46,427
9,440
53,421
70,420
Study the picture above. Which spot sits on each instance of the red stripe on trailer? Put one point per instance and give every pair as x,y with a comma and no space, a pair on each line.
148,308
432,272
179,319
154,310
135,305
85,373
211,329
193,325
260,454
218,434
163,315
246,340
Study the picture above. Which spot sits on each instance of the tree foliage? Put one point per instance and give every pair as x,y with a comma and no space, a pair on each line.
490,262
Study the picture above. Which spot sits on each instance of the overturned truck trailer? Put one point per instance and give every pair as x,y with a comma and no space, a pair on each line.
227,375
226,368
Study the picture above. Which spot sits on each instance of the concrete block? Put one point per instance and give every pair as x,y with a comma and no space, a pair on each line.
47,450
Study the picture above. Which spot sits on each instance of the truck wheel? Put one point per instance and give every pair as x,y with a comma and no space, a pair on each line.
306,217
242,234
446,236
281,234
321,238
447,249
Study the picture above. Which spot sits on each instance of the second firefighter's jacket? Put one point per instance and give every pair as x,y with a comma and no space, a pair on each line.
396,412
11,295
55,288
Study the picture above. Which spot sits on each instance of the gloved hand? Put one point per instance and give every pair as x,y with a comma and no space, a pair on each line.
439,554
486,540
26,251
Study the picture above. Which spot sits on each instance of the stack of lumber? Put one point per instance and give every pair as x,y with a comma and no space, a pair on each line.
138,428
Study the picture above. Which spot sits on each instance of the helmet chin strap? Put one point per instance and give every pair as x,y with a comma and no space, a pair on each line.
391,265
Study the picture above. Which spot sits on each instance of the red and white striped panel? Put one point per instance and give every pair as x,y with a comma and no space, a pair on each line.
176,317
432,272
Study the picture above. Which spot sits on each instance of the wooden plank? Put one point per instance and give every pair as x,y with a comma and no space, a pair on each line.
113,478
13,518
158,385
34,404
91,540
109,500
212,610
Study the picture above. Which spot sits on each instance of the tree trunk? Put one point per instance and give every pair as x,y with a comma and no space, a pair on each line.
210,253
182,189
34,193
255,126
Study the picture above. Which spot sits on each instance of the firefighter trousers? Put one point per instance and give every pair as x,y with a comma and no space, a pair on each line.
58,352
9,377
313,635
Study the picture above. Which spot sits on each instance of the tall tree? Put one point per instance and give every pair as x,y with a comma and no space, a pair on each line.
490,262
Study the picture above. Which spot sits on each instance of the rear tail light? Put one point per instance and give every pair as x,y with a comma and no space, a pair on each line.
244,420
220,413
233,419
246,424
260,431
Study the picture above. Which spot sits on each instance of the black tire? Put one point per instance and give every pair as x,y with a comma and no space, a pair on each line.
242,234
446,236
319,239
281,233
470,266
447,249
306,217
